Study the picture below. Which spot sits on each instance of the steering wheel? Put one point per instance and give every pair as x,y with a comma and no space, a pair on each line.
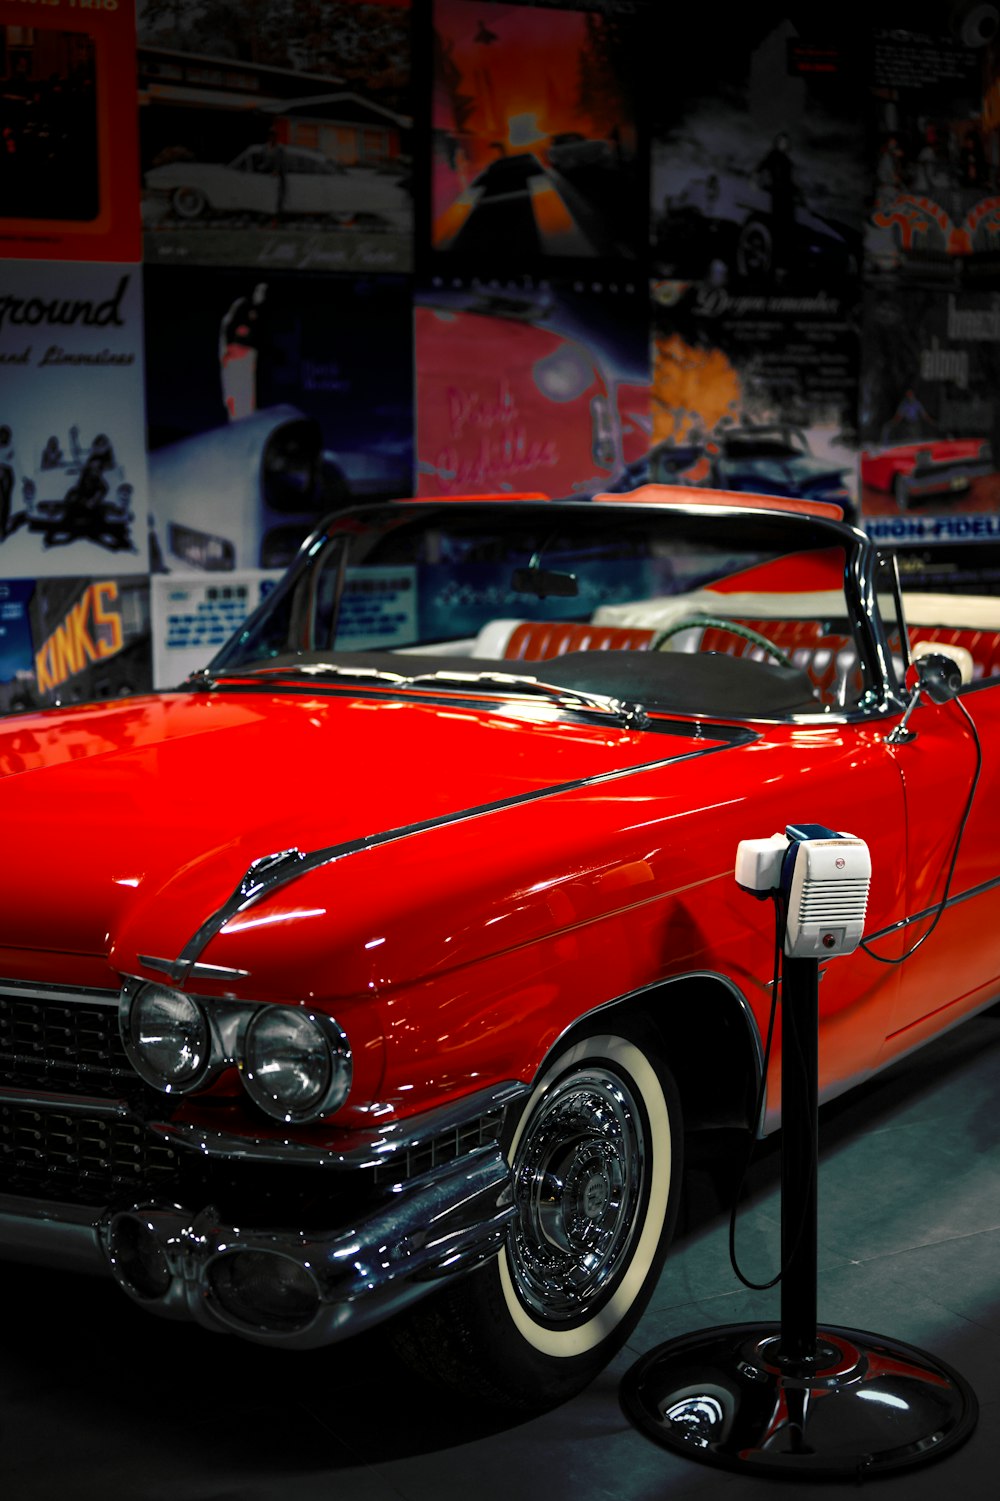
718,624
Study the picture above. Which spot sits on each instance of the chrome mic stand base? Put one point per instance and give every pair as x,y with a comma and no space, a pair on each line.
859,1406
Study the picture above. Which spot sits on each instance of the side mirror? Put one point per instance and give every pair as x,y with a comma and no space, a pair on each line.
940,677
937,675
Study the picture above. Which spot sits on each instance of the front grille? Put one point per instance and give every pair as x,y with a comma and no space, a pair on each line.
413,1161
54,1154
59,1045
68,1047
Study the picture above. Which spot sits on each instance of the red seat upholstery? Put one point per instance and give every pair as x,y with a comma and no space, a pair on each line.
536,640
829,658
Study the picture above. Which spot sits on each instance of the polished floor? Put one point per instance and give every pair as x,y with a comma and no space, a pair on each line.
98,1400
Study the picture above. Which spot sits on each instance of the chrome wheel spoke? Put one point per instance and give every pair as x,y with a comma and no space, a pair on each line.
579,1179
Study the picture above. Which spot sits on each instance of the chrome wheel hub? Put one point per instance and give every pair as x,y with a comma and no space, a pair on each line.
579,1179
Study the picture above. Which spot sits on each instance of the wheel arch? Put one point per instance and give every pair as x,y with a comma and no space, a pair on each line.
704,1029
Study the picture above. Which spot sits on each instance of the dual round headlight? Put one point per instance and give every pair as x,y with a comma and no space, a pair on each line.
295,1064
167,1038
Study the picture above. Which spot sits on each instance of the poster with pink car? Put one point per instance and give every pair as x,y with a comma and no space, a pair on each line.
530,386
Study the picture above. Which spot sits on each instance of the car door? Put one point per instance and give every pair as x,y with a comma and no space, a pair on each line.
956,969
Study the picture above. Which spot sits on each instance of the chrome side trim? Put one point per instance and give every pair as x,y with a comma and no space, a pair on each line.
271,871
376,1147
67,1104
953,901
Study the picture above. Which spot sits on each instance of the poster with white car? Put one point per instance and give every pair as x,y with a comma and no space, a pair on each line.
270,402
280,137
73,494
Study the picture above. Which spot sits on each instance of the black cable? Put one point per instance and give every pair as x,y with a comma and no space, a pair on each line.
884,959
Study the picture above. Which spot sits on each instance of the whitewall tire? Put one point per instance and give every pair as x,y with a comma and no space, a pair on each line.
595,1156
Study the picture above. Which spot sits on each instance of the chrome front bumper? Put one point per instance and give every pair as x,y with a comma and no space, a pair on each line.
180,1264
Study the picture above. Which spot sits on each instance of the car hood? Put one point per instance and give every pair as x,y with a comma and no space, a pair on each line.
162,803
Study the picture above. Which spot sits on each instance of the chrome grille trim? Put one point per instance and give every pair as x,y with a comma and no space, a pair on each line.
85,1157
72,1104
86,995
60,1040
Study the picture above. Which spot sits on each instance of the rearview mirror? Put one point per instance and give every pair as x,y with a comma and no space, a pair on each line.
542,582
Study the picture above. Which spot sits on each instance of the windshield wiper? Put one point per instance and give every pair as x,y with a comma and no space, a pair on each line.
516,685
622,709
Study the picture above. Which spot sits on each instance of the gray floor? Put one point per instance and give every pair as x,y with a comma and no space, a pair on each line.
98,1400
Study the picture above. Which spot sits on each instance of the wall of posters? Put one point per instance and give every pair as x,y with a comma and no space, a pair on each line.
68,163
263,261
72,451
277,136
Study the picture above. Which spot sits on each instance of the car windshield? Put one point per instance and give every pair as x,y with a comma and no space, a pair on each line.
573,593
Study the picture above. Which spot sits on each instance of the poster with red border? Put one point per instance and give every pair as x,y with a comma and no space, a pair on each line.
69,169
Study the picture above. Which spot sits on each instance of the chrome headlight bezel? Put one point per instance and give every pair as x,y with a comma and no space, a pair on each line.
330,1048
133,994
223,1028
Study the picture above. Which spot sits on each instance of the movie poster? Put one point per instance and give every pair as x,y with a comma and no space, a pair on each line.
930,415
194,614
271,401
68,163
537,157
935,211
758,170
17,658
72,640
755,393
531,386
72,449
276,135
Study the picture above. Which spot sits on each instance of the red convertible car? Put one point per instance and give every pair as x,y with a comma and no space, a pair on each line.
381,969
